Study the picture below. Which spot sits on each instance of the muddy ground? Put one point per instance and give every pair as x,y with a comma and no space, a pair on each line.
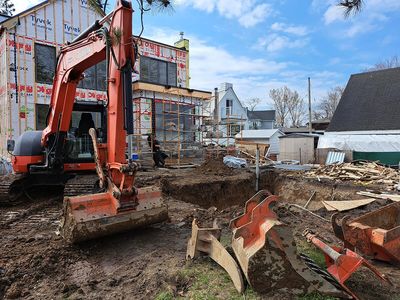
35,263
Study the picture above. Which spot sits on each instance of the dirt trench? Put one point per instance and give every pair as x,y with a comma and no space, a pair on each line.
35,263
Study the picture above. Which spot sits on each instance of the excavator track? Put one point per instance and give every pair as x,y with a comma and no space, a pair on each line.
81,184
11,188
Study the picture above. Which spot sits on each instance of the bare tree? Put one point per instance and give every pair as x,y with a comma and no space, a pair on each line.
351,6
393,62
330,102
6,7
289,106
296,109
252,103
279,97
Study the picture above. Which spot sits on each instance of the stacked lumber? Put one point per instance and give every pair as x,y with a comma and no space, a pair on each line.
364,173
251,159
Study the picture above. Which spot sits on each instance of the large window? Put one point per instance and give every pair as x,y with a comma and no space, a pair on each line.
41,114
45,58
45,61
157,71
95,78
229,105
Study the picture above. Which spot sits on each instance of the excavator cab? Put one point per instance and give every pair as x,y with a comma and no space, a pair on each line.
79,145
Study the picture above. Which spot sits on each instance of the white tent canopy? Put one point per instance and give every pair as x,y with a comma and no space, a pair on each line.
361,142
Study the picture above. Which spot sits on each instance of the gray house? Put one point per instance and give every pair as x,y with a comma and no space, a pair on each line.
367,120
261,119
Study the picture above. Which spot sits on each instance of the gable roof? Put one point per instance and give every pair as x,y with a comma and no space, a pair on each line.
371,101
257,133
267,115
99,10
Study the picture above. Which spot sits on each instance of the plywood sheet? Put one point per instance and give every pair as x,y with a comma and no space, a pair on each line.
346,205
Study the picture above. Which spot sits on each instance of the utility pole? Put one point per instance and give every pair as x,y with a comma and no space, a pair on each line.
309,106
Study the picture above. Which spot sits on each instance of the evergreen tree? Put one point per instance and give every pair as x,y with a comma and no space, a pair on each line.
6,7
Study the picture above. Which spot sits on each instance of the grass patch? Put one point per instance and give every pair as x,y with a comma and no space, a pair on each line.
206,280
165,296
311,251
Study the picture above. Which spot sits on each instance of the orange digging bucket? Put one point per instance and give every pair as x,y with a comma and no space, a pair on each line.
267,254
96,215
375,234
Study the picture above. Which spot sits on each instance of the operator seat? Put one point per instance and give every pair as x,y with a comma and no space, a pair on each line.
85,123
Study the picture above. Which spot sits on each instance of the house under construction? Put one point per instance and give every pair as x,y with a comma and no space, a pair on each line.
163,102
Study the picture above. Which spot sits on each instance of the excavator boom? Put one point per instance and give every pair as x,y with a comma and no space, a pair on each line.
120,206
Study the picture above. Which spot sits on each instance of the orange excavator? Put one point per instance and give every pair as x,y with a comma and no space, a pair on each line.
41,158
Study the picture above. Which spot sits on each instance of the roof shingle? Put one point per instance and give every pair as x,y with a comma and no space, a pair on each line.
371,101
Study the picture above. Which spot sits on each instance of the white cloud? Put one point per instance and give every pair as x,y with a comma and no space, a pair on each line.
211,65
275,42
334,13
23,5
255,16
248,12
369,19
291,29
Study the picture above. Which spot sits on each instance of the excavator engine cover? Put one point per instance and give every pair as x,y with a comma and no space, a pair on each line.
267,254
96,215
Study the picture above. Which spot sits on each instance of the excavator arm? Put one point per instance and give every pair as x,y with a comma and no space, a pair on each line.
120,206
95,45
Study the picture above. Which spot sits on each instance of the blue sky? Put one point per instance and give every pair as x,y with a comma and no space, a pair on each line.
262,44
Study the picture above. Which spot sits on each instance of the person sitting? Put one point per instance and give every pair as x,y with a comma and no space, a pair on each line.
85,123
158,155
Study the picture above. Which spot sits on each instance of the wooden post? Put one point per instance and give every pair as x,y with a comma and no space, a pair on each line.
257,167
309,106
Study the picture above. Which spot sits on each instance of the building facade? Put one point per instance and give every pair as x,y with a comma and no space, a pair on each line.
29,43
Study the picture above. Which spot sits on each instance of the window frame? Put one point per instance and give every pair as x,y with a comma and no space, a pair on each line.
37,66
159,62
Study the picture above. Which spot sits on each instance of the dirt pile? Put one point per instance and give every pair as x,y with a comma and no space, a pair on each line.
215,166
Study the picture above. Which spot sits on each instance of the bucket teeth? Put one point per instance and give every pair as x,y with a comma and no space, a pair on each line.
267,253
96,215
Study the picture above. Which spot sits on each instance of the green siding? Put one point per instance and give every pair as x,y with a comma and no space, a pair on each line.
387,158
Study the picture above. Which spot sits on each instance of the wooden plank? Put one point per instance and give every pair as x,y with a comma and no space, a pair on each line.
346,205
392,197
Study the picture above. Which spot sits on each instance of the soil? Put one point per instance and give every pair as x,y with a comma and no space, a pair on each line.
35,263
215,166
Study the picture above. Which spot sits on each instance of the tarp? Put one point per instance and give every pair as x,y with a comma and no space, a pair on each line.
361,142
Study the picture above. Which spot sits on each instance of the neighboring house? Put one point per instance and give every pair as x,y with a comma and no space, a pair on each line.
232,116
367,120
29,43
264,136
261,119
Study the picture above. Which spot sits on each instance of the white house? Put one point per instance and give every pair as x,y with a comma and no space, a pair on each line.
264,136
232,117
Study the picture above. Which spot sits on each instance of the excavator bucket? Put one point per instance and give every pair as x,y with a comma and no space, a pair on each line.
96,215
375,234
205,241
267,254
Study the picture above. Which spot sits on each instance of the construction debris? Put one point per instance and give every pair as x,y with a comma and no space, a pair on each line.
364,173
206,241
346,205
342,263
375,234
384,196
